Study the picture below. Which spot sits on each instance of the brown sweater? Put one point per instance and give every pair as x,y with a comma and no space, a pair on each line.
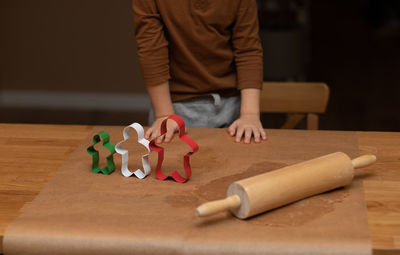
200,46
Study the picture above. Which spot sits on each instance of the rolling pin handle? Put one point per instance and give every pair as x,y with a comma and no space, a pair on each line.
217,206
364,160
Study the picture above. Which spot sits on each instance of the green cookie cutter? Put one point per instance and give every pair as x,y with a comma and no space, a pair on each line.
103,135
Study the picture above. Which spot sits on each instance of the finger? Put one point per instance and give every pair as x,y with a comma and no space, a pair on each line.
156,136
153,134
239,134
172,128
256,134
160,139
148,133
247,135
169,135
232,128
263,134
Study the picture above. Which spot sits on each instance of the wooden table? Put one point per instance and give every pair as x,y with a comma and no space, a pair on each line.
30,155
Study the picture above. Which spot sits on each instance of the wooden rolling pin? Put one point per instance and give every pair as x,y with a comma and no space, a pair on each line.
267,191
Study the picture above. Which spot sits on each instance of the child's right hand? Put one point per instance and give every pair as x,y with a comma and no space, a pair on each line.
154,131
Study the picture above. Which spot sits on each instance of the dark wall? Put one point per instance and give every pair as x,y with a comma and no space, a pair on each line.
356,51
68,45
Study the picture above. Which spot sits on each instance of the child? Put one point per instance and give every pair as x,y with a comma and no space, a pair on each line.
202,60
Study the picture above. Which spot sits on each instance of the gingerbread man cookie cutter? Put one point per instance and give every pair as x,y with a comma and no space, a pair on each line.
160,150
125,155
103,135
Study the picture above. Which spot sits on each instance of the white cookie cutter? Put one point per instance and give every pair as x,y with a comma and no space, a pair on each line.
125,156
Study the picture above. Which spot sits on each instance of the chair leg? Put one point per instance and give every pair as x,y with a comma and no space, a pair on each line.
293,120
312,121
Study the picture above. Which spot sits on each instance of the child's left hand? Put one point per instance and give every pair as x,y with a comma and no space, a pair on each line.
247,126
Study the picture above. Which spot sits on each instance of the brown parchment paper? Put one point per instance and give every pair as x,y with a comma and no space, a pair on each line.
80,212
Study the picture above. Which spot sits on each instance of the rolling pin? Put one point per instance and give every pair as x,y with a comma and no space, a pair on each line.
264,192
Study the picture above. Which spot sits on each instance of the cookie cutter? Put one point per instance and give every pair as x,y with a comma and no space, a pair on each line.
160,150
125,155
103,135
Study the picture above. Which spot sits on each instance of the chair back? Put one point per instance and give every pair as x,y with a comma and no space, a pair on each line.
299,99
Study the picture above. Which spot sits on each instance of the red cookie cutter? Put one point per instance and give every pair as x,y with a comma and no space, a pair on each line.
160,150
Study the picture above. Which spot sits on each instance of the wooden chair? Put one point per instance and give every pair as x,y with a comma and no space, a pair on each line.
299,99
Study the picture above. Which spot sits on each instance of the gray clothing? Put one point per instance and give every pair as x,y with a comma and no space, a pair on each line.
209,111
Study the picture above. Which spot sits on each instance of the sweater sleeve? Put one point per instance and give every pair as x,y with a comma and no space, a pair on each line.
151,42
247,48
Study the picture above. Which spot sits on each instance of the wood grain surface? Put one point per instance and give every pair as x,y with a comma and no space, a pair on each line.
30,155
382,190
